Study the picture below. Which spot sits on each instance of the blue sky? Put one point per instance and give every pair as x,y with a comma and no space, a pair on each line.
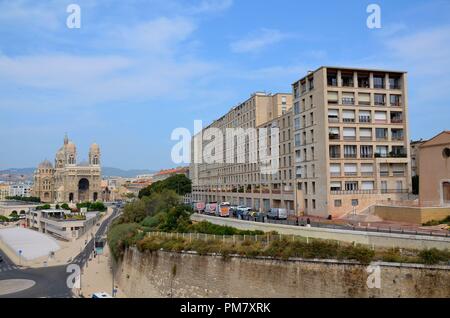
137,69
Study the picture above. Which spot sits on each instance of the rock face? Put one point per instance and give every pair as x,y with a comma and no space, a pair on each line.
165,274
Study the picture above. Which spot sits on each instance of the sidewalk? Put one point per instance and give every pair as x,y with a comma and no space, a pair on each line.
97,276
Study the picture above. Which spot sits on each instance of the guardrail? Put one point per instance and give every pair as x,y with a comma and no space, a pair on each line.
264,239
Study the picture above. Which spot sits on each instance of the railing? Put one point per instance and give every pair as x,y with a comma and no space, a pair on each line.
346,192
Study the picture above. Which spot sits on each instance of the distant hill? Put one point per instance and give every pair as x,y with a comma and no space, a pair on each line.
106,172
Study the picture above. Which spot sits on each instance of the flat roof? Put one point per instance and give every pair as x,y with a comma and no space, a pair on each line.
350,69
31,243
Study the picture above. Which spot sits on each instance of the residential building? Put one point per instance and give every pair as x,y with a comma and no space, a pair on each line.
164,174
353,146
20,189
434,165
236,178
4,191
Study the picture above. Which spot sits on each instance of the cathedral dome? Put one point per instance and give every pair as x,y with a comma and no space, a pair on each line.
95,148
45,165
70,147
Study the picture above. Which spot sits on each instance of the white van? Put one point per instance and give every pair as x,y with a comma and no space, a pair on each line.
277,214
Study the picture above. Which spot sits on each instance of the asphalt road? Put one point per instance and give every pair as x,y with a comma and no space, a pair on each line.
51,282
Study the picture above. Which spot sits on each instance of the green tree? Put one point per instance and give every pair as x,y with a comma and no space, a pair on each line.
178,183
65,206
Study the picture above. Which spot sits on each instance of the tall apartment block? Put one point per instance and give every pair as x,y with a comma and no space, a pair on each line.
350,139
243,183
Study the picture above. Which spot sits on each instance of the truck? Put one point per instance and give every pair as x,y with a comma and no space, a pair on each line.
224,209
199,207
277,214
211,208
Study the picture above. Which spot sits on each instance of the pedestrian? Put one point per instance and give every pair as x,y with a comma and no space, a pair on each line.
308,222
296,221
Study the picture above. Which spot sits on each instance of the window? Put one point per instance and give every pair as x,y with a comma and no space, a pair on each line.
332,97
348,116
335,152
351,186
363,80
332,78
367,169
378,81
381,133
349,151
333,133
337,203
367,185
380,117
297,140
335,186
350,169
397,134
313,203
311,83
347,79
394,82
365,134
364,116
379,99
396,117
333,115
366,151
395,100
355,202
384,188
297,123
296,108
283,100
349,133
348,98
382,151
398,151
335,170
364,99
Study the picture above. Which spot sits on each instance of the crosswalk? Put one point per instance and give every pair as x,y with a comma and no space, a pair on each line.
7,267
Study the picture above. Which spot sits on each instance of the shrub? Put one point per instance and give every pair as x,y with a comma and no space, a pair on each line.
433,256
121,236
361,254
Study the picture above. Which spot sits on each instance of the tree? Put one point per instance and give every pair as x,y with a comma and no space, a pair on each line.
178,183
65,206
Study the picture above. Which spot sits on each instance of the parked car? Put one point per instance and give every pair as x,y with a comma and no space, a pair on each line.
242,212
277,214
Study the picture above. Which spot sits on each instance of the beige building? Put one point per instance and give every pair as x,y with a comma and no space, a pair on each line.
243,183
435,171
351,139
4,191
68,181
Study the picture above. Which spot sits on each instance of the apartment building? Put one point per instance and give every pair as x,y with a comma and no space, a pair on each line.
350,139
237,179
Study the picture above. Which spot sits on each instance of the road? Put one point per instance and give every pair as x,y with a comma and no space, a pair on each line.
51,282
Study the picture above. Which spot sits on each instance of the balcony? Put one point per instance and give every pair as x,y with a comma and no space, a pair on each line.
367,174
396,120
333,119
351,174
398,137
348,101
350,138
333,136
364,119
335,174
348,120
365,138
335,155
350,155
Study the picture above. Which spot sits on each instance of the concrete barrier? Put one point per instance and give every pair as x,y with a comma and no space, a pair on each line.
387,240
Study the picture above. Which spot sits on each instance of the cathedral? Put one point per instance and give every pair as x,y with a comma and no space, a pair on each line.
67,181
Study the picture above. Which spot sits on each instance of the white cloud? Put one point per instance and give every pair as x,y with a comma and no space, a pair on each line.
208,6
160,35
258,41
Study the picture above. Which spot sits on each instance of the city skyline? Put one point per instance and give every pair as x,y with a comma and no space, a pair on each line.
185,60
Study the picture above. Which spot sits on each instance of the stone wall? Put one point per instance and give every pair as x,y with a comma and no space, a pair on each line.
165,274
418,215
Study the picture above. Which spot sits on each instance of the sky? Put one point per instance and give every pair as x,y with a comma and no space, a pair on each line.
135,70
